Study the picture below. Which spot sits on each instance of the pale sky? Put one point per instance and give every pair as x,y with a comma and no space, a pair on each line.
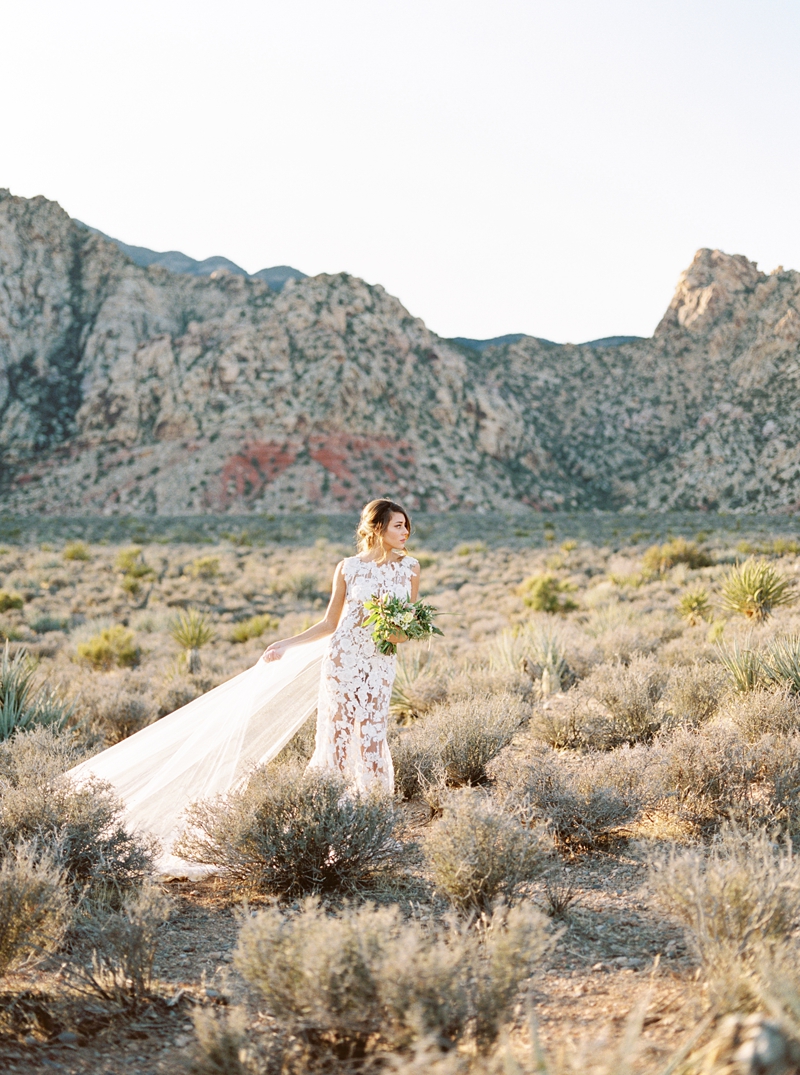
500,166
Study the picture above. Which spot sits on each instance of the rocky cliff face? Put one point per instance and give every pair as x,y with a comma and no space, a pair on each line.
134,389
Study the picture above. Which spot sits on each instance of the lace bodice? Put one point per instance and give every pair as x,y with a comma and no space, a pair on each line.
356,683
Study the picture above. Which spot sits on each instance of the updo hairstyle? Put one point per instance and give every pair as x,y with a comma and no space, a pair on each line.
375,517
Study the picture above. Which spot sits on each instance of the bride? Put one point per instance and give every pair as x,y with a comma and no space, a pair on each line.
210,745
356,683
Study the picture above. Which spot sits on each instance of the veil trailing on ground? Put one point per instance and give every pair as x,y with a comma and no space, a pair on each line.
208,746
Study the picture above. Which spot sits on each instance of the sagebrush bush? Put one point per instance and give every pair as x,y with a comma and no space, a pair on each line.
80,828
42,624
367,979
660,558
755,588
123,943
693,693
204,567
459,737
254,627
479,852
583,798
764,712
36,756
738,902
630,693
291,833
111,647
34,907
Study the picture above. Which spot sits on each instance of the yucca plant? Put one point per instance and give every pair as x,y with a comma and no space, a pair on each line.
694,606
743,664
755,588
191,630
254,627
782,662
24,702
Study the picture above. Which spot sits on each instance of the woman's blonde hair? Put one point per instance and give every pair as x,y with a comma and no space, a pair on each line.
375,517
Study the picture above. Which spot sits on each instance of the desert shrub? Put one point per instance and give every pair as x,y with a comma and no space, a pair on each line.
764,712
583,798
131,563
291,833
36,756
300,747
459,737
738,902
34,908
115,714
693,693
179,690
10,632
80,828
303,585
220,1043
9,601
417,687
694,606
26,703
630,694
781,662
254,627
112,646
124,944
204,567
191,630
743,665
539,651
661,558
76,550
479,852
755,588
545,593
366,979
42,624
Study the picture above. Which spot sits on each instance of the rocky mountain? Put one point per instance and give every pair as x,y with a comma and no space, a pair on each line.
175,261
132,389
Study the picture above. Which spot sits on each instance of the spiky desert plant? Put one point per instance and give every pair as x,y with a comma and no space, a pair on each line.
191,630
743,664
782,662
24,703
755,588
694,606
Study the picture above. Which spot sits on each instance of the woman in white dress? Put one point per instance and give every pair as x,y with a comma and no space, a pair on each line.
356,680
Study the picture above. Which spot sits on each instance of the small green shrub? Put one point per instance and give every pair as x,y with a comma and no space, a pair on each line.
204,567
762,712
693,693
290,833
545,593
479,852
255,627
112,646
192,630
24,703
10,601
738,902
661,558
41,625
457,738
755,588
695,607
367,980
303,585
76,550
34,908
129,560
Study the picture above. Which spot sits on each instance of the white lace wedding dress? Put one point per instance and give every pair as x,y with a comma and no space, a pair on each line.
356,685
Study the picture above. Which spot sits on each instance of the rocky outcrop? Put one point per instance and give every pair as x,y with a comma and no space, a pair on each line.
134,389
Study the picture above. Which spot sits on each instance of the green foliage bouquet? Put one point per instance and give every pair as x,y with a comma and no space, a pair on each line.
390,615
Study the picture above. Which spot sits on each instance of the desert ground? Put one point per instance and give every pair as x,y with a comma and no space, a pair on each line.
588,862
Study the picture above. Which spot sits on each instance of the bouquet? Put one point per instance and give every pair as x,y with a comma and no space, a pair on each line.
391,615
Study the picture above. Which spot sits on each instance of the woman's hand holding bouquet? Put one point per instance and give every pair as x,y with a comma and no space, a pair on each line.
390,616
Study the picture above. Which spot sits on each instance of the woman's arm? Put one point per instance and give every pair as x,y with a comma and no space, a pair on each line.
326,626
